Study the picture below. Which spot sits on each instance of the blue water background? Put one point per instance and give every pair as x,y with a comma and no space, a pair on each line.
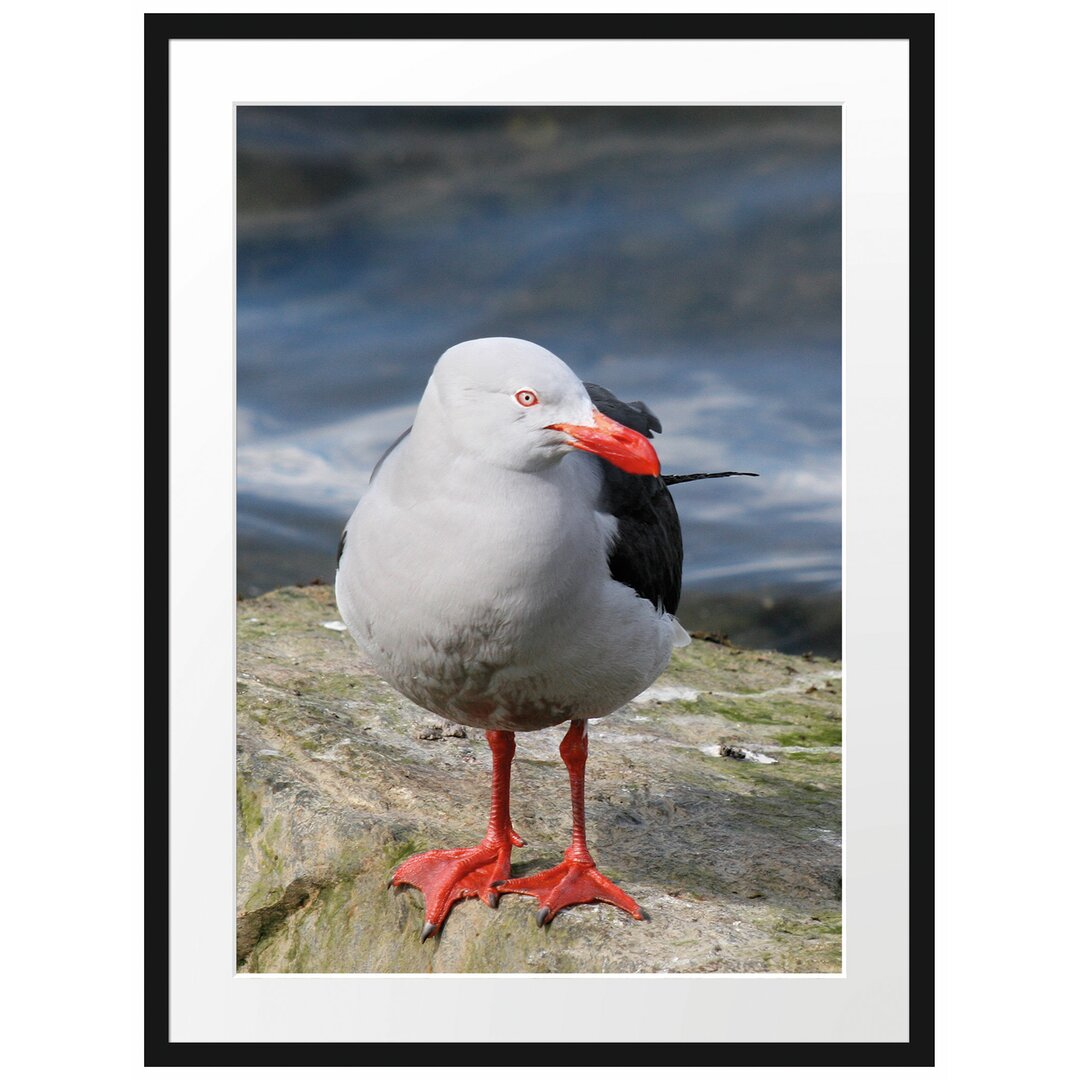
687,257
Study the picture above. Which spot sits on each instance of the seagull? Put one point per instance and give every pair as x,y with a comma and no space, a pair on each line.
514,564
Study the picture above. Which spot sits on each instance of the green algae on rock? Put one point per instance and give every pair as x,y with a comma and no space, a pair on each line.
339,778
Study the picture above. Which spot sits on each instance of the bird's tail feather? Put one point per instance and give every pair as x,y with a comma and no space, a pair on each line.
669,480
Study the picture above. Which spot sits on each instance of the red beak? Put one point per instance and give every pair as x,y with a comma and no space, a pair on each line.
620,445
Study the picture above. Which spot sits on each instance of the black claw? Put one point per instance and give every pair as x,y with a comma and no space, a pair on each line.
429,929
496,884
541,916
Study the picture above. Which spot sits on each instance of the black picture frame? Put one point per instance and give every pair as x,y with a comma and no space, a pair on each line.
918,31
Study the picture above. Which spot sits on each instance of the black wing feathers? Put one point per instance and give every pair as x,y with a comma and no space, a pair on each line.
648,554
631,414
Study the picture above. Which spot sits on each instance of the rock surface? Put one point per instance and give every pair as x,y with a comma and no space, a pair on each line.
714,800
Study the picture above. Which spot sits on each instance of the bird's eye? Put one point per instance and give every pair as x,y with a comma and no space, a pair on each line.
527,398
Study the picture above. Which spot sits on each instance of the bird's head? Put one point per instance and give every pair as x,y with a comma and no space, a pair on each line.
516,405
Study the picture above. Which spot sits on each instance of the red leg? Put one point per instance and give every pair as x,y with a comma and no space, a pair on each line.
575,880
444,877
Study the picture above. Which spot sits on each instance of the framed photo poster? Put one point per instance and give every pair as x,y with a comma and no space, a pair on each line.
727,218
